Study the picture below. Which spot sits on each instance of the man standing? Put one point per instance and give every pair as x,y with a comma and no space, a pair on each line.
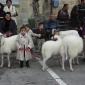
78,20
78,16
63,17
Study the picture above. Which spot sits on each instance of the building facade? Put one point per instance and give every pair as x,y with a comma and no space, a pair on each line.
25,8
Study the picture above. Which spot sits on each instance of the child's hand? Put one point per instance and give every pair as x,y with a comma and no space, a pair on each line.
28,49
21,49
39,35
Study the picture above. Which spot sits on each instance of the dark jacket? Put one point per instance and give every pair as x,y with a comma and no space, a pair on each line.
50,24
8,26
74,17
78,15
63,15
78,18
63,18
42,32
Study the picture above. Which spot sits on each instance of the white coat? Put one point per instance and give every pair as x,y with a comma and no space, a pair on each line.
32,34
21,41
12,10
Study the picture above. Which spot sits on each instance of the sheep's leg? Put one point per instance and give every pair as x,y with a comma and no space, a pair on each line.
70,62
63,63
77,61
2,60
73,61
63,57
8,56
44,63
66,52
59,60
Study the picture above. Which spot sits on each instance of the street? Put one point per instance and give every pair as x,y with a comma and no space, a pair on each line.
35,76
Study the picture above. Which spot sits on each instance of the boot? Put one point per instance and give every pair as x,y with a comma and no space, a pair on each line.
27,64
21,64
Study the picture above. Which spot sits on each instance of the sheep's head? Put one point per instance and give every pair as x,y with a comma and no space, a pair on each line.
56,37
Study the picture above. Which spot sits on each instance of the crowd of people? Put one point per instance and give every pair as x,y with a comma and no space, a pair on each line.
64,21
8,22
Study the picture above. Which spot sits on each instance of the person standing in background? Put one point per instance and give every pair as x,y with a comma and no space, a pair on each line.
78,16
10,8
63,16
78,20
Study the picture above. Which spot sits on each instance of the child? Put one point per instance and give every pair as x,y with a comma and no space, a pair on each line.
40,40
24,45
30,32
32,35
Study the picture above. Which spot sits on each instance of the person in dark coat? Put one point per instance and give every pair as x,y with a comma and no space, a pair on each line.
78,20
2,13
74,17
8,26
63,16
78,16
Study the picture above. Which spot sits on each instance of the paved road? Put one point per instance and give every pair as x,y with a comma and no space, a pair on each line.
25,76
35,76
70,78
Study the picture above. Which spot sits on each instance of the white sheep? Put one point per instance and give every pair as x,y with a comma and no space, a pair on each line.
73,46
50,48
7,45
68,32
65,33
68,47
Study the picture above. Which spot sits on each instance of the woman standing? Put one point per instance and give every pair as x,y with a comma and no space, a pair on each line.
24,46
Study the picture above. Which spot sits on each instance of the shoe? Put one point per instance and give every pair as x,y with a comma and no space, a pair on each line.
21,64
27,64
